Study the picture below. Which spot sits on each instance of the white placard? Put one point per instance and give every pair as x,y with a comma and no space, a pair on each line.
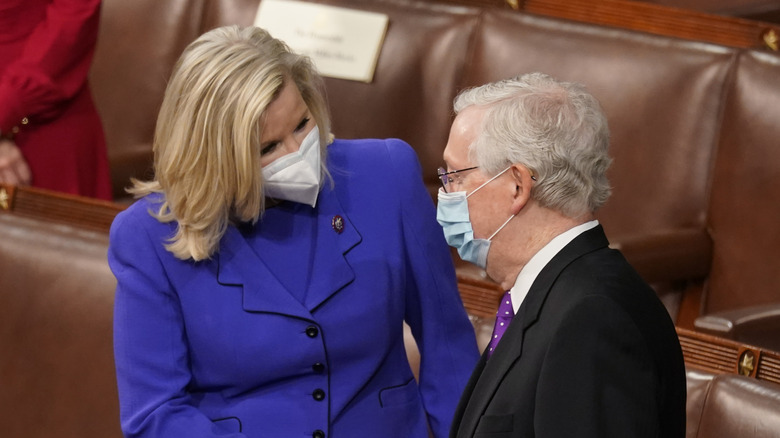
342,43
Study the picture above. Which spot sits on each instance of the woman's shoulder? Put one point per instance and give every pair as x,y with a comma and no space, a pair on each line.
369,144
140,213
375,152
144,203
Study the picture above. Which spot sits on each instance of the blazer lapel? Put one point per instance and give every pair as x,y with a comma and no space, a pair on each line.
507,353
238,265
336,236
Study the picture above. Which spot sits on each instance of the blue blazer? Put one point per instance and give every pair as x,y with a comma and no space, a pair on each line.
294,327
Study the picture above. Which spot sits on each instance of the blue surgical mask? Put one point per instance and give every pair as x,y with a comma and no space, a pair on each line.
452,212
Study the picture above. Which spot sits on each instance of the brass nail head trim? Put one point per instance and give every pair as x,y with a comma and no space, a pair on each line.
771,39
4,199
747,363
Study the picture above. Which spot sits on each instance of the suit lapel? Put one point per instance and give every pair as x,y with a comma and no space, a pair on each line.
485,385
464,422
492,373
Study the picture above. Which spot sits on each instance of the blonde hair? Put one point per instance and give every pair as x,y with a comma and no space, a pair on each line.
207,138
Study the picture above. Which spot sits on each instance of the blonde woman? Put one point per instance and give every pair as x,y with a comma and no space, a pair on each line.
264,275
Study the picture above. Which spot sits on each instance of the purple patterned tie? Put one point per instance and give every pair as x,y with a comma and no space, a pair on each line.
503,318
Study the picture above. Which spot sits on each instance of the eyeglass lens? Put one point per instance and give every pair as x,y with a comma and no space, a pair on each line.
446,179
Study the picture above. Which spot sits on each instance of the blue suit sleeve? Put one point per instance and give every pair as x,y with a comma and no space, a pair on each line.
434,310
150,346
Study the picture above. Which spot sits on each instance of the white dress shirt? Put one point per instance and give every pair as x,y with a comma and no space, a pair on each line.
534,266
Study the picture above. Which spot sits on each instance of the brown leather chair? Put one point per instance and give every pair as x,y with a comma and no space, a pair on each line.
138,43
56,313
741,298
662,98
698,386
738,406
733,388
729,405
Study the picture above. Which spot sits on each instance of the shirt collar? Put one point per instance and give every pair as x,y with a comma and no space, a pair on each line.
534,266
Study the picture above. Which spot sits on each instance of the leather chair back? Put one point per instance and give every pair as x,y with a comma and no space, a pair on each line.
738,406
138,43
661,96
698,386
56,310
745,203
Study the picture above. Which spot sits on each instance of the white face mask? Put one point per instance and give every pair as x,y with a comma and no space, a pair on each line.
296,176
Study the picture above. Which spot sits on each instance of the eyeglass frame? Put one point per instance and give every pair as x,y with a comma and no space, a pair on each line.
442,174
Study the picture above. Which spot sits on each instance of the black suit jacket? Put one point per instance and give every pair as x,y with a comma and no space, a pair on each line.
591,352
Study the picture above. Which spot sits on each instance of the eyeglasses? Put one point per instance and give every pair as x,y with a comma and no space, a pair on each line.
446,179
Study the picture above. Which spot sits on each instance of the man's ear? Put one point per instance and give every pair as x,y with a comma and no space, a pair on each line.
524,180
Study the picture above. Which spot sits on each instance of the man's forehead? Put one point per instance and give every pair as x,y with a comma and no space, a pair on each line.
465,130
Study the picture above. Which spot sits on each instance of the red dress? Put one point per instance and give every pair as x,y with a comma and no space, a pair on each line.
46,49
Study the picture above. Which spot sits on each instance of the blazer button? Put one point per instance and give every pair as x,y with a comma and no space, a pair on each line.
318,395
318,434
311,331
318,368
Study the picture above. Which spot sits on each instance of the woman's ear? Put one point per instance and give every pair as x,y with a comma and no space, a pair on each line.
524,180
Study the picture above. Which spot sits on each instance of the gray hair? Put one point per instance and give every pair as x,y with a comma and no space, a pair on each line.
556,129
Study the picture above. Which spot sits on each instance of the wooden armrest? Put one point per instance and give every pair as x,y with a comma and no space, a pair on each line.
756,325
63,208
714,354
673,255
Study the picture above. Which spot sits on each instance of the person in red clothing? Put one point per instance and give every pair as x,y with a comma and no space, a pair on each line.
51,135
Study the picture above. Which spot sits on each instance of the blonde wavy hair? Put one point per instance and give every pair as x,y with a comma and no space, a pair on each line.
207,138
